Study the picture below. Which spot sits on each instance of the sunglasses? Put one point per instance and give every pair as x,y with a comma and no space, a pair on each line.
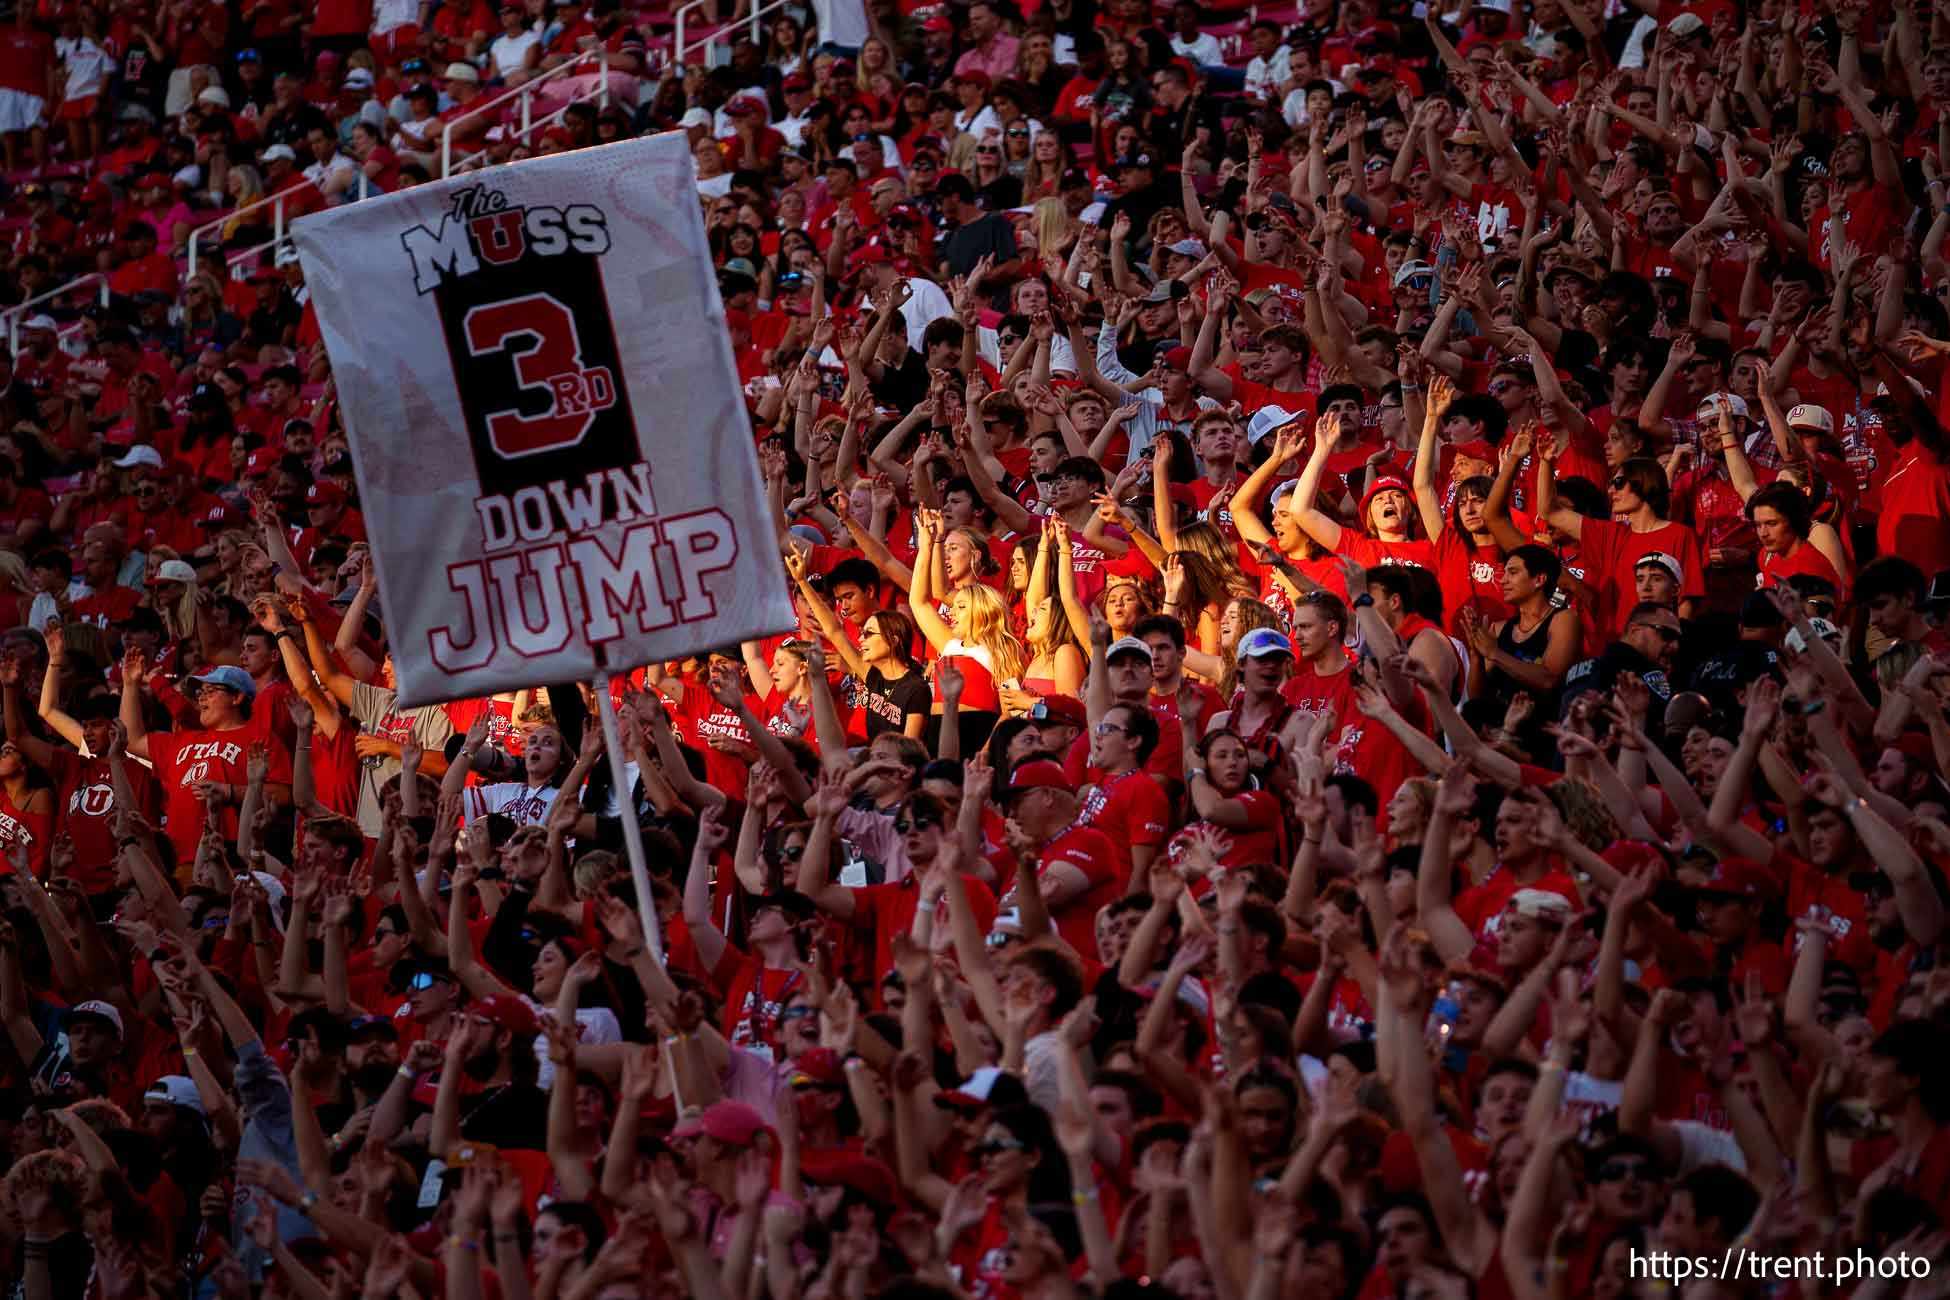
1667,634
996,1148
1620,481
421,982
792,852
1018,133
904,824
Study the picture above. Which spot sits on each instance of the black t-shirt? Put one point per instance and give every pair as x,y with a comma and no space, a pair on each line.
888,705
1603,672
904,386
513,1115
986,236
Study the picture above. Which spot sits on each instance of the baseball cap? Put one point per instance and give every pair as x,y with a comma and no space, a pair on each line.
1709,407
1410,269
228,676
1178,358
1264,641
1540,905
1805,416
462,72
360,1026
730,1122
358,79
1135,160
1127,645
214,95
1062,708
1742,877
1382,483
506,1011
1684,25
175,571
261,461
695,117
819,1066
1188,248
177,1090
1824,629
1040,774
324,494
143,455
96,1010
795,82
988,1086
1670,563
278,151
1268,418
43,321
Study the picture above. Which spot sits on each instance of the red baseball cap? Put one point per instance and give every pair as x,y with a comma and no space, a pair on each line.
1742,877
1064,708
222,517
262,461
506,1011
324,494
1384,483
818,1065
730,1122
1042,774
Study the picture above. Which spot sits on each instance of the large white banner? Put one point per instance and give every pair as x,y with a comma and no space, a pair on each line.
552,449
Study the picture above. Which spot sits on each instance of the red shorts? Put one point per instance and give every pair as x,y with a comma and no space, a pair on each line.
396,44
78,110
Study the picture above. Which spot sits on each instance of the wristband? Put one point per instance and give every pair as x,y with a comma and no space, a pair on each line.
308,1200
465,1243
407,1073
1083,1198
924,907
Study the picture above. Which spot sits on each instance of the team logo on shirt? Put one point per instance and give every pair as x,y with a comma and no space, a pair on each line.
567,509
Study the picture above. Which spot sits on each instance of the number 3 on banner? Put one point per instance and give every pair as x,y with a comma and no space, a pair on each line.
547,360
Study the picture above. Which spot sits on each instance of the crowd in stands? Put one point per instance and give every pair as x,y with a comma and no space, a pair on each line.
1367,718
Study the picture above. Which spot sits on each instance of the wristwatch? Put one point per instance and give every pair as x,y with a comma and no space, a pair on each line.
1363,600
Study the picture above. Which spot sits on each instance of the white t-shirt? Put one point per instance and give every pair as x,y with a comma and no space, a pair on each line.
88,66
517,800
1202,49
1264,77
508,54
595,1026
338,175
390,15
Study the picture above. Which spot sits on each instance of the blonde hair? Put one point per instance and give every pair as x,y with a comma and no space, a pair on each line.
1051,219
988,627
14,566
250,189
1204,540
861,75
180,621
55,1172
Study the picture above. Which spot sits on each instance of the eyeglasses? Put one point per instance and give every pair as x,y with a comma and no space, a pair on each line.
1614,1170
996,1148
1108,728
1667,634
1503,385
386,933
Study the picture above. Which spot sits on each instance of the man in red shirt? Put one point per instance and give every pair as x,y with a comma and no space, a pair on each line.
1075,865
204,772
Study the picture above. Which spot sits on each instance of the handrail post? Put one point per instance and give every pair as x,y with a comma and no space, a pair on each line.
104,292
447,152
602,71
277,217
527,111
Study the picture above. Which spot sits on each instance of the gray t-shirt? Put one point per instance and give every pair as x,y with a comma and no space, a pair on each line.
378,712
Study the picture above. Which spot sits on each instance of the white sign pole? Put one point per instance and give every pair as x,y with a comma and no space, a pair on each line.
646,908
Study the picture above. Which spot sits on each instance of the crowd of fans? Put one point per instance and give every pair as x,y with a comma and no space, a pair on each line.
1367,719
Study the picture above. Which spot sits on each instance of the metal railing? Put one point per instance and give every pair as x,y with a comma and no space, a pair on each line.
680,49
524,96
275,202
18,312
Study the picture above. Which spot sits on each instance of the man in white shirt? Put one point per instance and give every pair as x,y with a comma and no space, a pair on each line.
332,172
797,92
1269,70
513,54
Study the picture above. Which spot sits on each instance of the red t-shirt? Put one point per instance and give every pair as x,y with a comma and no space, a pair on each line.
85,802
30,830
1090,852
1611,552
24,60
183,758
1131,810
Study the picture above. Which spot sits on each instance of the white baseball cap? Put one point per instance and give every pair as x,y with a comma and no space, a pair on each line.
43,321
177,1090
1665,560
695,117
98,1009
1809,416
142,455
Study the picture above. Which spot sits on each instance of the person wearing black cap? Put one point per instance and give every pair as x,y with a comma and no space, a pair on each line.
1143,189
144,268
